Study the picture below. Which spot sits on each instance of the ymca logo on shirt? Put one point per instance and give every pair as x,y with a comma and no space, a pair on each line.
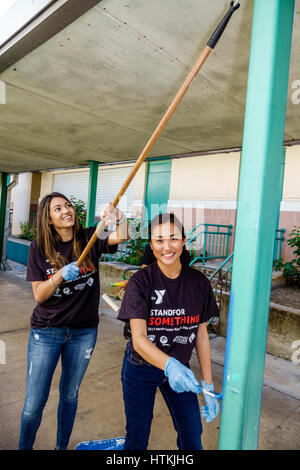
159,296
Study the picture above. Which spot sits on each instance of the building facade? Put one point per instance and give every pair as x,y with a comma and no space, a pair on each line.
199,189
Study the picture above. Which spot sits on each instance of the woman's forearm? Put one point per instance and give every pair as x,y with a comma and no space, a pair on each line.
45,289
204,356
149,351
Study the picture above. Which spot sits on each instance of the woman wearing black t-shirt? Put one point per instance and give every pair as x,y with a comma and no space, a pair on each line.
168,304
64,322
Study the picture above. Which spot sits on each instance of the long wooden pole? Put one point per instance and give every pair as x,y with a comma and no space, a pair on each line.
170,111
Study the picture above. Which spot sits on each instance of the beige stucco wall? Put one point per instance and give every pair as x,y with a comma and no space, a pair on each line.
35,187
46,183
205,177
215,177
291,187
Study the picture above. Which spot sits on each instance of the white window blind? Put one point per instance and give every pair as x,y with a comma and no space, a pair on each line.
110,180
75,183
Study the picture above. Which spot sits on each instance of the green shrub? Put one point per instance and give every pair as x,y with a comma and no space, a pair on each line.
291,269
28,231
138,232
134,257
79,206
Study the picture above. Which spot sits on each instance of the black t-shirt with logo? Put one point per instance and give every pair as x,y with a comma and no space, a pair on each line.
172,308
74,304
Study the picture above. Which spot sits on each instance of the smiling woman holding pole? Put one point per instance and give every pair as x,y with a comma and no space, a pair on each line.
64,323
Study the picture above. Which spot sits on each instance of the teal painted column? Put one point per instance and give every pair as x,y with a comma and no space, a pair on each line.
258,199
93,178
2,210
157,186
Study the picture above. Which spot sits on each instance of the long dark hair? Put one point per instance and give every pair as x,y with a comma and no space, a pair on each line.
48,238
165,217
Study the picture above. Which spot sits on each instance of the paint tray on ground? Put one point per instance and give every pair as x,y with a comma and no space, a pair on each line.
103,444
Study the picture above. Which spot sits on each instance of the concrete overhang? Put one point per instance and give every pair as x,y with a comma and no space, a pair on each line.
93,84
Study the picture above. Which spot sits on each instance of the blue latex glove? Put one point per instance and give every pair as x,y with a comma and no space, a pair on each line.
211,410
181,378
70,271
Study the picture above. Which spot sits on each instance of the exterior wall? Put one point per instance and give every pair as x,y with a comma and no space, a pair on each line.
207,177
34,197
21,202
47,184
290,205
204,190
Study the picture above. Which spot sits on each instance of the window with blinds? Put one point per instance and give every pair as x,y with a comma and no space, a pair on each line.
110,180
75,183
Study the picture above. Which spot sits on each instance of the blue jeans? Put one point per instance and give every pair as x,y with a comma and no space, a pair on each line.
140,381
45,347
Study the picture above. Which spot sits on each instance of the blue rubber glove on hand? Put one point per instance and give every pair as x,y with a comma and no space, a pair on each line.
211,410
70,271
181,378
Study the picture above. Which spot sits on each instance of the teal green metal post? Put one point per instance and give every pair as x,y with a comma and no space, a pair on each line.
90,217
258,199
2,210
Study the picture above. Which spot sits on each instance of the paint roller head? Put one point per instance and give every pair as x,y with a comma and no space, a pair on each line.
222,25
235,5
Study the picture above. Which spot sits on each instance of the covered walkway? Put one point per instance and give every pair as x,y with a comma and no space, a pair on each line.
67,108
100,412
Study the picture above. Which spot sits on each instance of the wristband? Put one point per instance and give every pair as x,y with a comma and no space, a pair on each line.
52,282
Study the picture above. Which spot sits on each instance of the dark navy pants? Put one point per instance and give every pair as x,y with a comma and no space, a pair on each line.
140,381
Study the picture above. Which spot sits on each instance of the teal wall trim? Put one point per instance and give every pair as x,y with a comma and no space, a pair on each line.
18,250
257,211
157,187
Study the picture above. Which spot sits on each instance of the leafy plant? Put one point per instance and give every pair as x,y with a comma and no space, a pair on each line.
79,206
291,272
291,269
134,257
138,239
28,231
278,264
294,240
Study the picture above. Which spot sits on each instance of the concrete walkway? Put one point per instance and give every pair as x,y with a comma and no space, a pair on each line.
100,412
